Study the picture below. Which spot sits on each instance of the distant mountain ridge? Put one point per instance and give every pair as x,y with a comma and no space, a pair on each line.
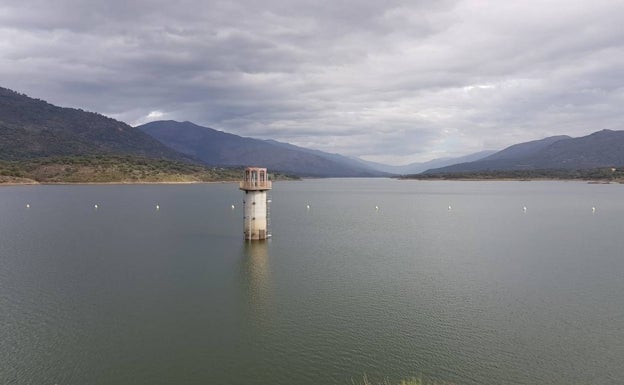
32,128
219,148
601,149
526,149
418,167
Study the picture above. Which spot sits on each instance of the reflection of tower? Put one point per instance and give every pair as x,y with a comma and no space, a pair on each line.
257,276
256,184
257,268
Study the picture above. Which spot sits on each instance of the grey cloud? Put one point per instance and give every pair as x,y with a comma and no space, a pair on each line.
386,80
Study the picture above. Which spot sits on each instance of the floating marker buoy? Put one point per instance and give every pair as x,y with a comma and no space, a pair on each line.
377,208
27,205
524,208
157,207
593,209
233,207
95,206
450,208
308,207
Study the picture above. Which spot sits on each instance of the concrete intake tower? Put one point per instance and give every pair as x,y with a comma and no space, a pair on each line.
255,185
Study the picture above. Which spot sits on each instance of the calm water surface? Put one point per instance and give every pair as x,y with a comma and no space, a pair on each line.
484,293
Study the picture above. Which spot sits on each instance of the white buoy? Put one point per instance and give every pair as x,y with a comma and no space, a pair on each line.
95,206
593,209
233,207
376,208
157,207
524,208
450,208
308,207
27,205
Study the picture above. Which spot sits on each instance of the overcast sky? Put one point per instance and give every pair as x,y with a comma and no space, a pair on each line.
388,81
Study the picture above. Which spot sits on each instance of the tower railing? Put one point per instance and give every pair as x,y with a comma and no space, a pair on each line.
251,185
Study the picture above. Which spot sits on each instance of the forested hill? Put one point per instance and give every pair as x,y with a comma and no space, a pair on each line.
33,128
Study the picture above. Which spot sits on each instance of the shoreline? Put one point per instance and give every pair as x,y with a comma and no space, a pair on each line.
35,183
589,181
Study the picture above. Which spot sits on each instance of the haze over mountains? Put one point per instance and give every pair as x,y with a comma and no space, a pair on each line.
416,168
32,128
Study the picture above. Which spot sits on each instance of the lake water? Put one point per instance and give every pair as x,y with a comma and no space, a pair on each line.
483,293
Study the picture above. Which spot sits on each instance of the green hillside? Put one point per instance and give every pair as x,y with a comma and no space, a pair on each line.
32,128
113,169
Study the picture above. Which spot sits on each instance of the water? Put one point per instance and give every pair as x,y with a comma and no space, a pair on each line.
484,293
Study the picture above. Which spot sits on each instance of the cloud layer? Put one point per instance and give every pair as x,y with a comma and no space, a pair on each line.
388,81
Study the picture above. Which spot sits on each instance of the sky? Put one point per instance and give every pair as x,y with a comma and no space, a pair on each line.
388,81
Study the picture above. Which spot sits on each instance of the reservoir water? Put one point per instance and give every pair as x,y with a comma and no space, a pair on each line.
453,281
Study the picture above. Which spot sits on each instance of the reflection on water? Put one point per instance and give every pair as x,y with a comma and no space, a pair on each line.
257,280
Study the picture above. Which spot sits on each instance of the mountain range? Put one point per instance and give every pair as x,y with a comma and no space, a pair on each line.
219,148
34,129
601,149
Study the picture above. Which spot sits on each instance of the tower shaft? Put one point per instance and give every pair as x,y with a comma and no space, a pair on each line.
255,217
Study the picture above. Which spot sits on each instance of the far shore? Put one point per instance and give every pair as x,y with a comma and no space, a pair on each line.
35,183
590,181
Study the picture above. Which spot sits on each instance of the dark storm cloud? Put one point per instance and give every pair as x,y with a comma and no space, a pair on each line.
390,81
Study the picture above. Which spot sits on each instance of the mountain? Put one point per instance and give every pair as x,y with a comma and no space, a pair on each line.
525,150
219,148
416,168
510,158
33,128
601,149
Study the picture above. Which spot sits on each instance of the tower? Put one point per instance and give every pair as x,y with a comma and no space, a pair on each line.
255,185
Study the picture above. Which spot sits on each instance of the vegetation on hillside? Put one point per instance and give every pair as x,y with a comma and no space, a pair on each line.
606,174
113,169
33,128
